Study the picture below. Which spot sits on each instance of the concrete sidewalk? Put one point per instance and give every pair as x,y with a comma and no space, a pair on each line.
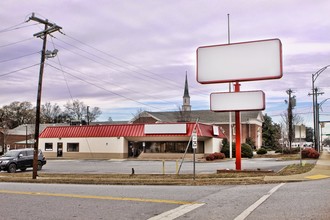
320,171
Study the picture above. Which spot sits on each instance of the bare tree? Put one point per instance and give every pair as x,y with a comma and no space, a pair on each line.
75,109
50,113
78,110
93,114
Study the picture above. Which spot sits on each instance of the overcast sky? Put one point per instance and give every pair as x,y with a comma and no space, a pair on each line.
123,56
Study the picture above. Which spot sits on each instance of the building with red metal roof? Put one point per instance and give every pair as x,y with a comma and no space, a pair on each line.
167,140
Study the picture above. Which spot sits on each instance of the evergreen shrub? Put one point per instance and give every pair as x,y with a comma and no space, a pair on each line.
246,150
262,151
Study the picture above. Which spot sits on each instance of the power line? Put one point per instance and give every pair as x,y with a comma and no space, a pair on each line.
123,61
11,27
124,67
16,28
15,71
138,69
100,87
114,84
6,45
121,66
16,58
110,67
133,91
65,79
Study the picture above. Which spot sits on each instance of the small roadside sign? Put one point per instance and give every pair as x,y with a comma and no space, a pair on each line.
194,140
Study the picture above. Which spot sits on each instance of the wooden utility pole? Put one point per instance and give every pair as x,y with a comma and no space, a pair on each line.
290,116
49,28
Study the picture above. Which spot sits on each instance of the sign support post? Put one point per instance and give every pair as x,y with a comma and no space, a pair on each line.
194,146
238,133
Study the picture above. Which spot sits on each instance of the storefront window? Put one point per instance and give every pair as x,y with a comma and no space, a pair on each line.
48,146
73,147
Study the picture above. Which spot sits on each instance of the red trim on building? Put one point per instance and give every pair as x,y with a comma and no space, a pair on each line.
123,130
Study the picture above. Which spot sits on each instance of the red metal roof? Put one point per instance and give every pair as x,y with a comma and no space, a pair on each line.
122,130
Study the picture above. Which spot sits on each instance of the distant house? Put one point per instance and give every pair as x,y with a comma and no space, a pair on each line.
169,140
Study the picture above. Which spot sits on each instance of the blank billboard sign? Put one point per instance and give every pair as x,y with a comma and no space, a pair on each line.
245,61
237,101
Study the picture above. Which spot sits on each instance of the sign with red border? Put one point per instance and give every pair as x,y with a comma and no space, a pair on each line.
237,62
237,101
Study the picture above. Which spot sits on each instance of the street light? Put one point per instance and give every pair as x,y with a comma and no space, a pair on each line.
318,106
316,129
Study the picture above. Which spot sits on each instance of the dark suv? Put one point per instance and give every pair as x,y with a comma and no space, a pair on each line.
20,159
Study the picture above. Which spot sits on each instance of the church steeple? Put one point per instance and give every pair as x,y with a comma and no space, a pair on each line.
186,98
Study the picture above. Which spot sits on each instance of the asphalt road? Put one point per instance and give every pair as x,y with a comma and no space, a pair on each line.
302,200
156,167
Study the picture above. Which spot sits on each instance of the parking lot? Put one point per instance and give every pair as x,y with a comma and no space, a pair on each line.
160,167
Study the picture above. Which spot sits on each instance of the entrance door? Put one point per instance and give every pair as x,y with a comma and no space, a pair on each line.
59,149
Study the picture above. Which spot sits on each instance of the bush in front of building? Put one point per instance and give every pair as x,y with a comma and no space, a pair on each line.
215,156
219,156
310,153
246,150
262,151
251,142
209,157
225,148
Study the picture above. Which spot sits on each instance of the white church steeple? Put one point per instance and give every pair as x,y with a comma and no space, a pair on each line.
186,98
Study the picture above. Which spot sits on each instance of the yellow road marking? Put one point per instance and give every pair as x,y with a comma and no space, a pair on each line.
315,177
98,197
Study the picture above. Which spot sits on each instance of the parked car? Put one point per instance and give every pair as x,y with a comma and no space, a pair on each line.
20,159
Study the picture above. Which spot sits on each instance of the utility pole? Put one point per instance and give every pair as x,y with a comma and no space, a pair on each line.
87,115
317,121
49,28
291,105
316,117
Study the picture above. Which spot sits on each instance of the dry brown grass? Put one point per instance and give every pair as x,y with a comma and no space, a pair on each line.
296,169
251,177
279,156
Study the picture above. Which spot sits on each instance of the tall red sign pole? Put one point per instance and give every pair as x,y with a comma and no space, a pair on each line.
238,133
243,61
